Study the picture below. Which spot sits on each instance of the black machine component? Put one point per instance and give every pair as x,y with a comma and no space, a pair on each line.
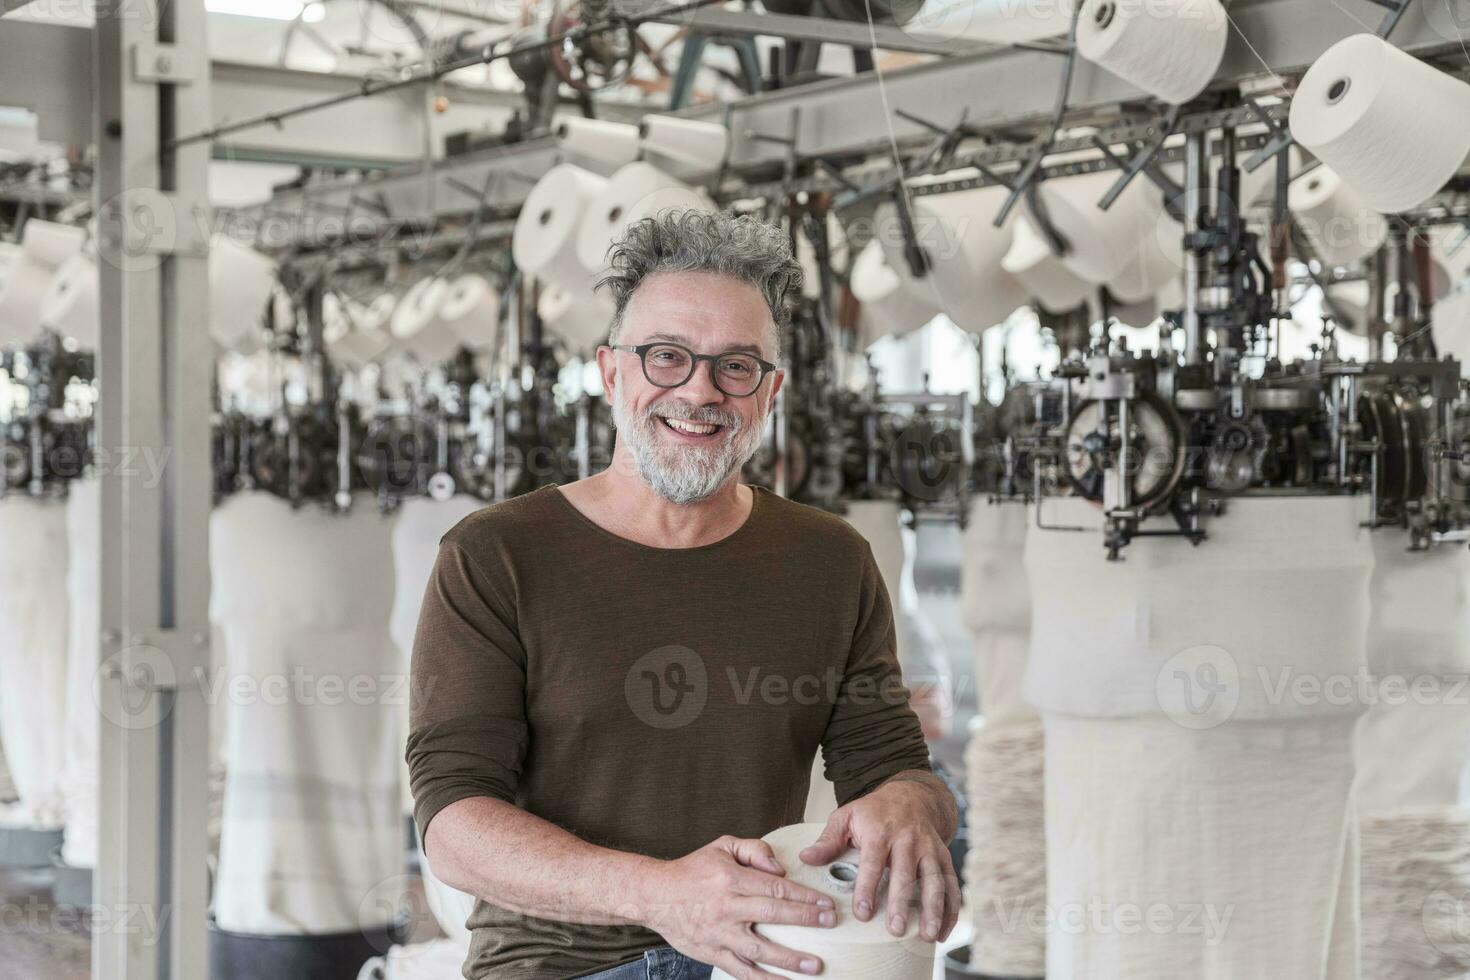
46,431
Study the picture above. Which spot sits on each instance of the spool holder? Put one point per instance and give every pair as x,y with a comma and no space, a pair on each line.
842,875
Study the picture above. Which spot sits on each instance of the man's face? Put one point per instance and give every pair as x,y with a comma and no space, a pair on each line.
687,441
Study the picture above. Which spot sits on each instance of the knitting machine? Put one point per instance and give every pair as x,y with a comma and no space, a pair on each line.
46,433
1177,433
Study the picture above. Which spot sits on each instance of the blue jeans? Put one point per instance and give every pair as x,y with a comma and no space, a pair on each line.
657,964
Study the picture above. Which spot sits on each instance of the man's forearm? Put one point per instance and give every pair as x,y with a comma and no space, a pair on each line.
939,801
500,853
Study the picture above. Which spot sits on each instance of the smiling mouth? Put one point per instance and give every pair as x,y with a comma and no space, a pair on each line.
691,428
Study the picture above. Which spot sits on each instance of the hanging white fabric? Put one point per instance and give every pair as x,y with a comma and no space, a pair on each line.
33,627
84,581
312,828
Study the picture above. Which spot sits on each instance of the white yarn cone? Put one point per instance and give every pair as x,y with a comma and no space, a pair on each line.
964,248
995,21
1170,49
545,241
693,142
598,139
582,321
851,950
1379,117
887,306
33,653
1048,281
418,327
470,309
83,719
21,297
638,190
1101,243
51,243
313,830
1335,218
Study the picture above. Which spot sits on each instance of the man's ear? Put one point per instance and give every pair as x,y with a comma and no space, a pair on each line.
607,367
777,376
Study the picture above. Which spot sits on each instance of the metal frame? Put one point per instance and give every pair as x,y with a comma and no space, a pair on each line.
154,368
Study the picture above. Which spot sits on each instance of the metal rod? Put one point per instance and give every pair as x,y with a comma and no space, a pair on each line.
1195,189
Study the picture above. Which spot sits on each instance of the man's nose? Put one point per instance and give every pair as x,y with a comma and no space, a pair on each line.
701,385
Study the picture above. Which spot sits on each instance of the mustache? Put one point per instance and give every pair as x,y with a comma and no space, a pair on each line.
690,413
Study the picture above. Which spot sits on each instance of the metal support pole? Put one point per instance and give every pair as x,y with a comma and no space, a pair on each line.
1196,188
154,369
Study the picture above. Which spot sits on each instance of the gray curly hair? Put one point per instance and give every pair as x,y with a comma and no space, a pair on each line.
739,246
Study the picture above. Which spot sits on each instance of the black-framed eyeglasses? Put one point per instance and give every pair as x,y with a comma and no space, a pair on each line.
667,365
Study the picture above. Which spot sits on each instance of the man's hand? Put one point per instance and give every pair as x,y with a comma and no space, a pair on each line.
710,900
903,826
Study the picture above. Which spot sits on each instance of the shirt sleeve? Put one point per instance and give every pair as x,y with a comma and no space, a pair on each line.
467,717
873,733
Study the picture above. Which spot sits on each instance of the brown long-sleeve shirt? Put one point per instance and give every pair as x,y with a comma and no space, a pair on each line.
647,699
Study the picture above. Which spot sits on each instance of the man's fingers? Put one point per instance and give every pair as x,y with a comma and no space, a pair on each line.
755,854
832,843
756,949
740,969
871,863
952,897
932,898
901,868
777,912
748,881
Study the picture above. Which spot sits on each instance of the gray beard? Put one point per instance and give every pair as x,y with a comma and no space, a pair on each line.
680,474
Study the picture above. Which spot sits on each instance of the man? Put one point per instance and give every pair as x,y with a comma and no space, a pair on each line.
627,678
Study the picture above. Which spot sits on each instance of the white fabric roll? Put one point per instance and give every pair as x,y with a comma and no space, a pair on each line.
470,309
582,320
21,298
1170,49
1111,639
33,653
1051,285
312,830
50,243
1155,265
1414,745
965,277
1213,855
638,190
598,139
695,142
418,327
10,256
420,523
546,239
1335,218
1102,244
887,306
70,306
994,595
84,592
1380,118
241,282
1005,866
996,21
1420,620
1416,880
851,950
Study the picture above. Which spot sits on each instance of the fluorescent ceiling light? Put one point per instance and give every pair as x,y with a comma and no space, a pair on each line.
268,9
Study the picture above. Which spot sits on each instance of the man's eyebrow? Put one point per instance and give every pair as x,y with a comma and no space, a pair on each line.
679,338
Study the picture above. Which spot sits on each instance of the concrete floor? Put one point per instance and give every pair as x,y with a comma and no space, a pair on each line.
43,941
38,940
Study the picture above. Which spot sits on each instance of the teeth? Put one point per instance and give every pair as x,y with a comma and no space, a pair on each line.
697,428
